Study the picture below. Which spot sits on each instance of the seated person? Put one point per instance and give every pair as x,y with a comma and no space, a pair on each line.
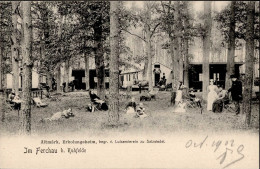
218,103
160,83
17,102
131,106
38,102
152,93
140,111
194,98
146,96
181,108
11,97
223,94
101,105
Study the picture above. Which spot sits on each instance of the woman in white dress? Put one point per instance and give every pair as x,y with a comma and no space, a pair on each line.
178,98
212,94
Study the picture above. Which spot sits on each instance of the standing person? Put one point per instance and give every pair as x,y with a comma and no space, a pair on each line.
178,98
236,92
212,94
163,79
53,82
173,95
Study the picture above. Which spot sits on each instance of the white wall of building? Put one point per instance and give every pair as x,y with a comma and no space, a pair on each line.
164,69
35,79
9,82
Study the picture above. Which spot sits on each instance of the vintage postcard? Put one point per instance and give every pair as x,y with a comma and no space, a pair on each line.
129,84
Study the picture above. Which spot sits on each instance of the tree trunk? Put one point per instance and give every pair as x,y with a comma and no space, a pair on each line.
49,79
173,60
177,53
231,47
27,67
1,54
66,71
114,64
248,83
206,47
58,80
145,71
150,69
186,50
186,62
86,57
174,70
2,75
99,59
3,97
45,43
58,77
14,49
148,47
1,58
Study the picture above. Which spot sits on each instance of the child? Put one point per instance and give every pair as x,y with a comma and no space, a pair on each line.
131,106
17,102
140,111
181,107
194,98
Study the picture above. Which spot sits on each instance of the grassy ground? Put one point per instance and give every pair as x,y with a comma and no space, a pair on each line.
161,118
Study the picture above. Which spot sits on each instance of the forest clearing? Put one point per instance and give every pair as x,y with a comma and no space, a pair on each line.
161,119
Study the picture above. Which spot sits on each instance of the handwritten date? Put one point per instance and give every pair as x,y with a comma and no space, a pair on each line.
229,149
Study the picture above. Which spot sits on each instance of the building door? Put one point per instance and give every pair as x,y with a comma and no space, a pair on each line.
156,78
218,73
195,77
78,75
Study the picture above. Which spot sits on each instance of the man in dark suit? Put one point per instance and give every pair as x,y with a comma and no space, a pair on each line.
236,92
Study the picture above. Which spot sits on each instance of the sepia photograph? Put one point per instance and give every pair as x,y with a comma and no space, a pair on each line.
129,84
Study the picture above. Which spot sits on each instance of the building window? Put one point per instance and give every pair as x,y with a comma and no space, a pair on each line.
216,76
200,77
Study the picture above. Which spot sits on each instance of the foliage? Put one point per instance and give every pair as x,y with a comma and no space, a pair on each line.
5,34
223,19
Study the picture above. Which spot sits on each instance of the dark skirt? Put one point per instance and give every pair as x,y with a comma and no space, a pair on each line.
217,106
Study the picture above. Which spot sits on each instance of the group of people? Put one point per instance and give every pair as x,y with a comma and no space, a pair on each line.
96,103
218,96
135,109
162,81
132,107
178,98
